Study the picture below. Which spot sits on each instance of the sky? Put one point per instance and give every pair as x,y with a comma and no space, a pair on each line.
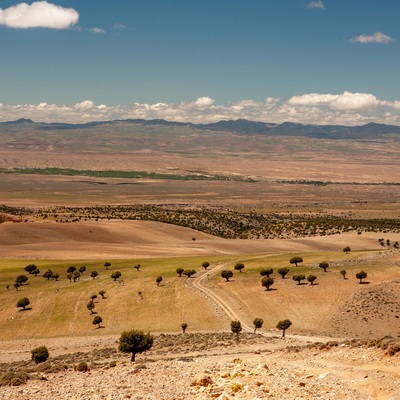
312,62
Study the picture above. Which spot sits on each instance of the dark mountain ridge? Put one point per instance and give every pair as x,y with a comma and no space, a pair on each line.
239,126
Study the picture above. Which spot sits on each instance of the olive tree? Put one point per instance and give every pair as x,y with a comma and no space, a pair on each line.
48,274
343,272
346,249
284,325
24,302
296,260
258,323
21,279
107,265
29,268
236,327
267,282
102,293
311,279
97,320
179,271
283,272
159,280
90,306
298,278
189,272
116,275
93,274
361,275
205,265
135,341
324,265
266,272
238,267
184,325
40,354
226,274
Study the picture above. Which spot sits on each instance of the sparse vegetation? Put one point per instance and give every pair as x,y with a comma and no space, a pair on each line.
179,271
283,272
116,275
311,279
239,267
361,275
159,280
97,320
298,278
184,326
135,341
324,265
205,265
40,354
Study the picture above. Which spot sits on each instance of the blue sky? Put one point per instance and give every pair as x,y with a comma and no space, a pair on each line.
322,61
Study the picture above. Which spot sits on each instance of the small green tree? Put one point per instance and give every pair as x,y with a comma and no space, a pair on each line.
283,272
239,267
24,302
107,265
93,297
298,278
159,280
267,282
189,272
71,269
69,277
135,342
82,269
179,271
102,293
55,276
116,275
266,272
236,327
346,249
324,265
40,354
29,268
97,320
205,265
16,286
227,274
76,275
343,272
184,326
48,274
35,272
296,260
93,274
284,325
258,323
90,306
311,279
21,279
361,275
137,267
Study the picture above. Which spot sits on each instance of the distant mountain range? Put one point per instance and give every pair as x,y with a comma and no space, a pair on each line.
240,126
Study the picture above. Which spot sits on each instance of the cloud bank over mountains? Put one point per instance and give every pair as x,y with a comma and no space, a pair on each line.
313,108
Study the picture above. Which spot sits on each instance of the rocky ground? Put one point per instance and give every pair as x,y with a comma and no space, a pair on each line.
207,366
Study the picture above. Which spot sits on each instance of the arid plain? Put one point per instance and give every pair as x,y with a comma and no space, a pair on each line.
332,178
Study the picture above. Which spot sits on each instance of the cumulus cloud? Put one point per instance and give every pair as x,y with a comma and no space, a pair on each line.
312,108
377,37
316,4
345,101
39,14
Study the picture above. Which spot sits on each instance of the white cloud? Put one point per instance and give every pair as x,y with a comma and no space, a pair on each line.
39,14
312,108
377,37
96,30
345,101
316,4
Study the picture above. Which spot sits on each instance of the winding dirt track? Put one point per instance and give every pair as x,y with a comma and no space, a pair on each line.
228,307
